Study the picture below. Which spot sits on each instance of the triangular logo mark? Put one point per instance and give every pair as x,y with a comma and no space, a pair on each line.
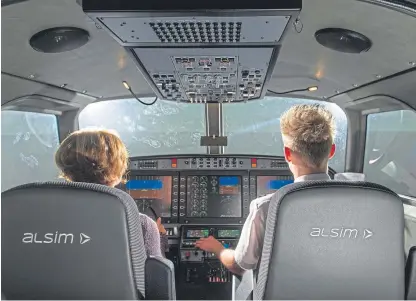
83,238
367,233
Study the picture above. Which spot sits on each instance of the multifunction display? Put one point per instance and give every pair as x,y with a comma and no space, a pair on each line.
214,196
269,184
153,194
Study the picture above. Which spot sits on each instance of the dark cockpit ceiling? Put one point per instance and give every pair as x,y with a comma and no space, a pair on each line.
96,70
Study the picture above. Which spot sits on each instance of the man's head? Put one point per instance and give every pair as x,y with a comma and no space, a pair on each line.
308,133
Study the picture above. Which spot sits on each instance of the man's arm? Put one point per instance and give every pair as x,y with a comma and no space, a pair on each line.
226,256
248,251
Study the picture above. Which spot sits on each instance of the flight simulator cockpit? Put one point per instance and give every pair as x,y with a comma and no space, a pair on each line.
187,86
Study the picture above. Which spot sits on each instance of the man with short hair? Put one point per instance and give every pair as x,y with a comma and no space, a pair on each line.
308,136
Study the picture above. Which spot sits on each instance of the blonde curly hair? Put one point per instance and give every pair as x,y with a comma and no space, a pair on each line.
309,130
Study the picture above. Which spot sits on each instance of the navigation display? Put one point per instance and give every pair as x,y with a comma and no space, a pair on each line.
197,233
153,194
269,184
213,196
229,233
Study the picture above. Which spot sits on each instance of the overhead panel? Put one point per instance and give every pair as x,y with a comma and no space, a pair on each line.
207,53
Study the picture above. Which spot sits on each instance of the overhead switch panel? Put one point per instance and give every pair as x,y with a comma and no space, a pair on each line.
200,52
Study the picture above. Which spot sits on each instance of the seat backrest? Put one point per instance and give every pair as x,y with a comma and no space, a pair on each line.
71,241
333,240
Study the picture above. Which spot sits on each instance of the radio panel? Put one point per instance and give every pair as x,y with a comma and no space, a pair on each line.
228,236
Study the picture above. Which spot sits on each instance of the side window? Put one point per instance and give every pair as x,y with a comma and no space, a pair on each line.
28,144
390,153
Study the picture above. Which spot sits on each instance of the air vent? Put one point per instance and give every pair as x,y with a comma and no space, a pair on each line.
198,32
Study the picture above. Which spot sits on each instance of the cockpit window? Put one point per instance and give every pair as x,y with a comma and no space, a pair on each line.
390,153
164,128
254,127
28,144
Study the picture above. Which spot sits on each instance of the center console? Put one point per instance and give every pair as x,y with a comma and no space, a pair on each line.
199,197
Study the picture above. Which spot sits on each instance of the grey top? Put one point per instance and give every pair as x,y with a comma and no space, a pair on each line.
155,243
249,248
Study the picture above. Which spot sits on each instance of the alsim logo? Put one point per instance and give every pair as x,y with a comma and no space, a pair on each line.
54,238
341,233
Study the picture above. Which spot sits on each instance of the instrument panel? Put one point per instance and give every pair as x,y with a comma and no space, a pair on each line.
201,196
204,189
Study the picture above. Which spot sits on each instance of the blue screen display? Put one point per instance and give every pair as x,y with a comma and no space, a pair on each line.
229,181
144,185
277,184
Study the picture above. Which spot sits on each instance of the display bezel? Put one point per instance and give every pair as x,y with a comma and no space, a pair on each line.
213,220
173,211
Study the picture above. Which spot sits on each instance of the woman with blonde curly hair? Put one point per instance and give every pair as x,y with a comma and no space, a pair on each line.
99,156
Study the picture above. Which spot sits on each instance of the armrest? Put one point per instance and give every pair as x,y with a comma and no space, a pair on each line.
159,279
243,286
411,275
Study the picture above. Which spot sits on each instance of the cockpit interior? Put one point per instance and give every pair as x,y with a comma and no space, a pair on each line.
195,90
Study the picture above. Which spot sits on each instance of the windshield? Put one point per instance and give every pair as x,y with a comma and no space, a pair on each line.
165,128
254,127
169,128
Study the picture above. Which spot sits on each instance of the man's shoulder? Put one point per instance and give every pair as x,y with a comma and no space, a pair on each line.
262,201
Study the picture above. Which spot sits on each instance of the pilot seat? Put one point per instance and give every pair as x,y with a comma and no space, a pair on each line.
77,241
331,240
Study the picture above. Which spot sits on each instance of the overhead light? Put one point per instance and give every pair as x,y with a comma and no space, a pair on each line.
312,88
126,85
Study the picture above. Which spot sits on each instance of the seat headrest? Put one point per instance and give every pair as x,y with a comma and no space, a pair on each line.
349,176
71,241
333,240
